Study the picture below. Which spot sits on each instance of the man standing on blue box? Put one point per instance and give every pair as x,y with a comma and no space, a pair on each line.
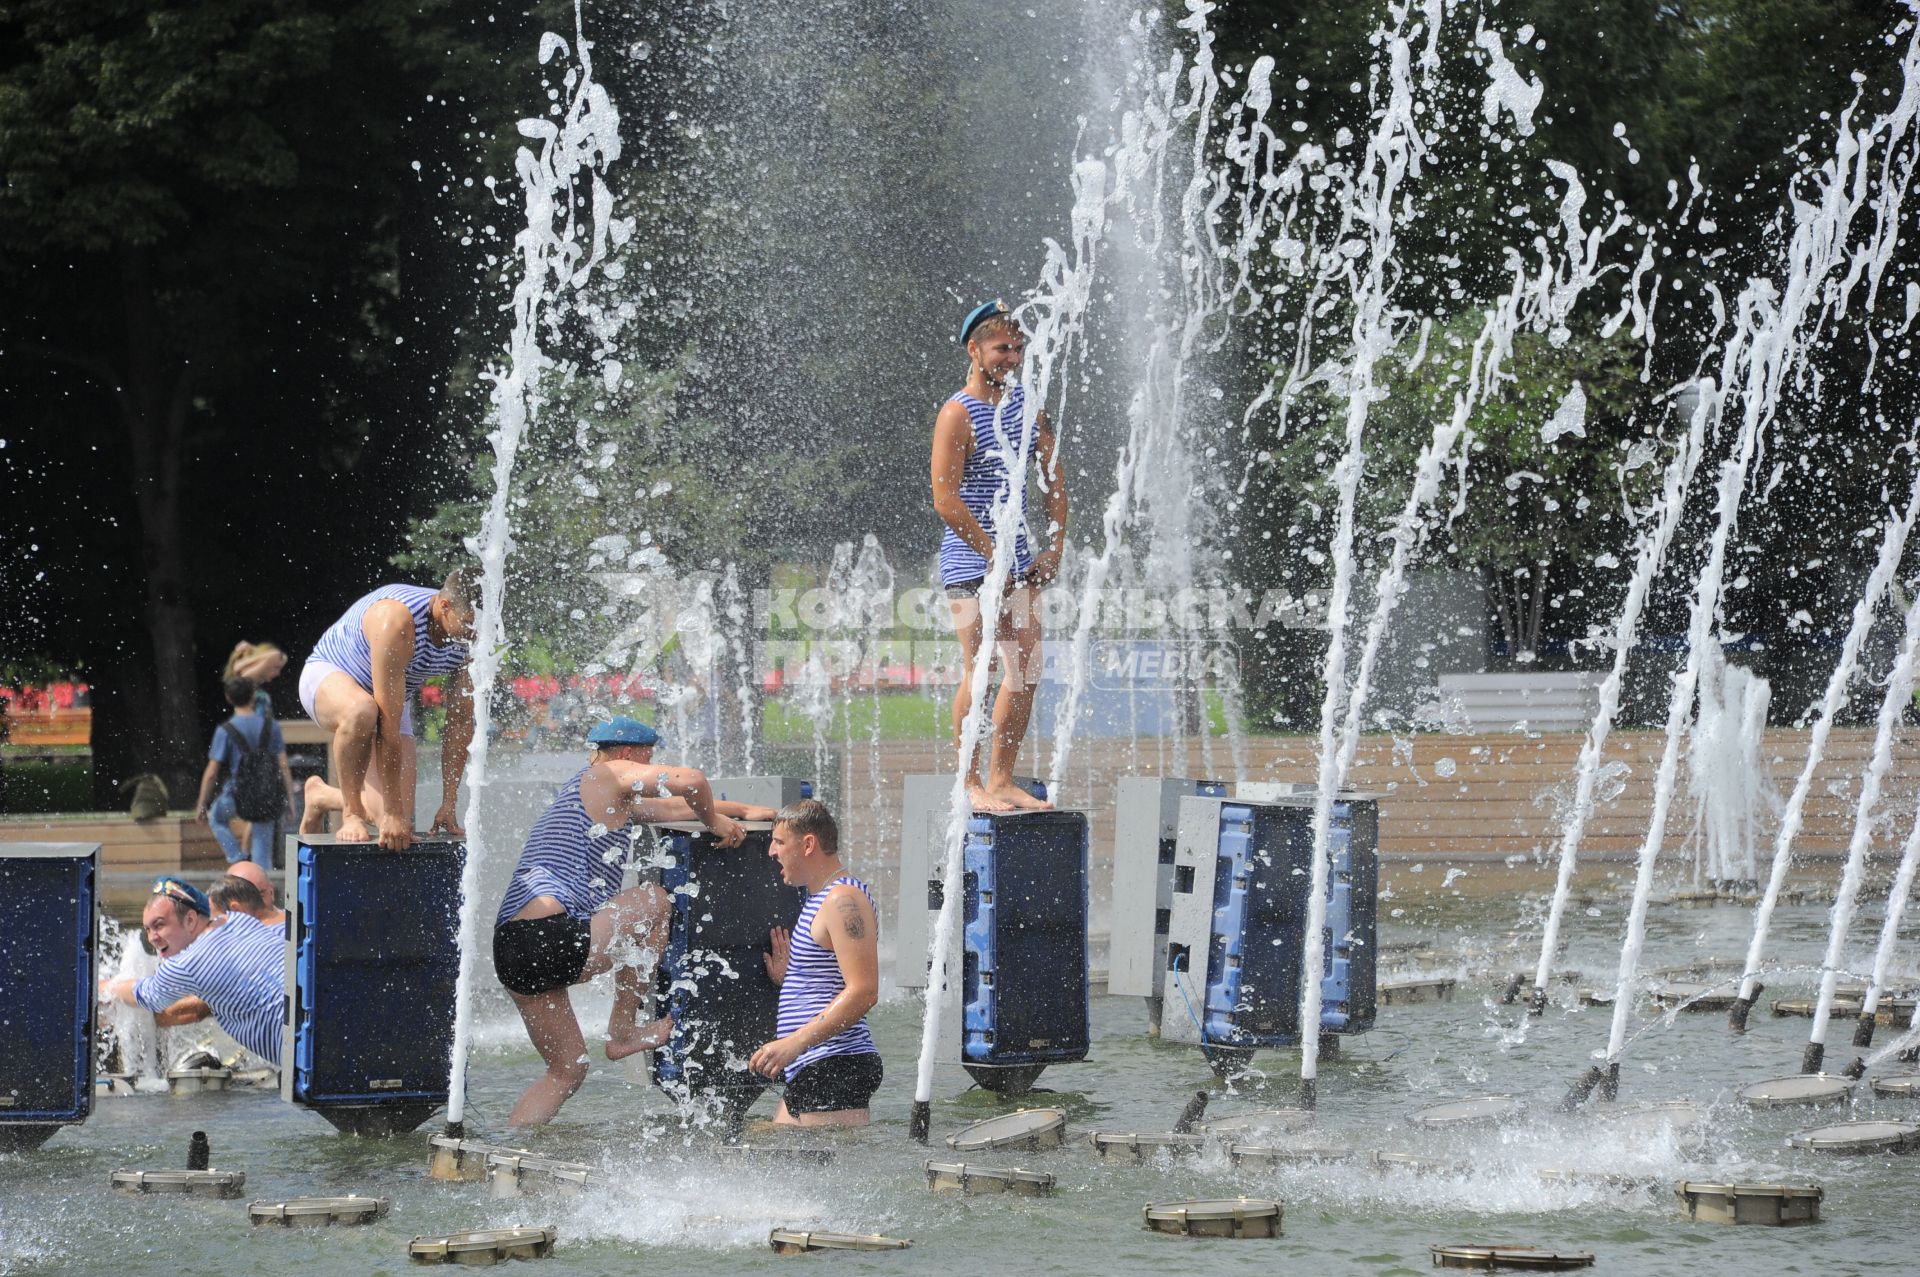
237,968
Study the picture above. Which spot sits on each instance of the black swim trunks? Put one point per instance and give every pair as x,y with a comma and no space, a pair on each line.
970,589
834,1083
535,955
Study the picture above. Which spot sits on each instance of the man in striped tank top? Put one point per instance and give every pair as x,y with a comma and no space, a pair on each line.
979,441
360,684
564,919
828,971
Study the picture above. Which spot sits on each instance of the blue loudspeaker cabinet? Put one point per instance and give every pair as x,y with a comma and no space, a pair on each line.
48,957
712,977
373,957
1024,955
1242,875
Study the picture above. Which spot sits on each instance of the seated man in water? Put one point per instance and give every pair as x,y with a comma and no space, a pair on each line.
360,683
973,472
564,919
236,968
828,971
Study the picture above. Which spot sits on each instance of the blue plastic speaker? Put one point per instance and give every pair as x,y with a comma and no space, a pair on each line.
712,977
47,973
375,939
1024,964
1260,888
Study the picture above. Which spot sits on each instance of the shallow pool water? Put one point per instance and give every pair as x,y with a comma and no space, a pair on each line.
672,1205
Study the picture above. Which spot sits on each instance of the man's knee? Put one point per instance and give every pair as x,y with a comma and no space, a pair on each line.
571,1075
359,717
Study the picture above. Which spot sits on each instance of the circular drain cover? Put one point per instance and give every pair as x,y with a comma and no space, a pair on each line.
958,1177
1225,1217
1900,1084
1026,1128
1678,1115
1859,1137
199,1183
1264,1121
318,1211
1797,1088
1509,1257
1484,1111
483,1246
793,1241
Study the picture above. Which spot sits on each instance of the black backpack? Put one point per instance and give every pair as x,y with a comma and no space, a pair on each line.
257,791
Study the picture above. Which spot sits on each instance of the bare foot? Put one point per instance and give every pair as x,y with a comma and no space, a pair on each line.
1013,798
980,798
355,829
313,817
640,1037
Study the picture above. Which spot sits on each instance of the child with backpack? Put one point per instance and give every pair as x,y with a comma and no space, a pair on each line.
251,755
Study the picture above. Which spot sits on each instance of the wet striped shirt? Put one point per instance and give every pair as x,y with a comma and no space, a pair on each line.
813,980
984,482
344,645
568,857
239,970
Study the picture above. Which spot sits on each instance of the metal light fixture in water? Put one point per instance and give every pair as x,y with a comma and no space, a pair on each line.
795,1241
1509,1257
1408,992
958,1177
1695,997
207,1077
775,1153
455,1159
222,1184
1227,1217
483,1246
319,1212
1137,1148
1796,1089
512,1174
1265,1122
1859,1137
1900,1085
1749,1203
1032,1129
1488,1110
1259,1156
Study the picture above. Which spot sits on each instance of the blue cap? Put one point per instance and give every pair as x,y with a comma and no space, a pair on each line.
184,892
978,313
623,730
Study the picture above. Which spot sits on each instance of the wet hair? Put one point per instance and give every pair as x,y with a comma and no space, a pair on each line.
239,691
462,588
236,893
810,816
996,322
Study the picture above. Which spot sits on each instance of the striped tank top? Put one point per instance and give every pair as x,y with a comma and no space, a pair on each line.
813,980
984,482
344,645
568,857
239,970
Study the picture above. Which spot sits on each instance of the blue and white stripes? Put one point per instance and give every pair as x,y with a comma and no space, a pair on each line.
344,646
568,856
983,484
238,969
813,980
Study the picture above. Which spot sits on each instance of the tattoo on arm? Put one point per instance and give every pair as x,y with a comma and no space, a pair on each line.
850,919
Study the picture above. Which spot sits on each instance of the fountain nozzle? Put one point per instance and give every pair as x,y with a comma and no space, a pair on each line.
921,1123
1577,1093
1610,1084
1192,1113
456,1130
1537,1002
1511,993
199,1152
1737,1013
1309,1093
1863,1031
1857,1069
1812,1058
